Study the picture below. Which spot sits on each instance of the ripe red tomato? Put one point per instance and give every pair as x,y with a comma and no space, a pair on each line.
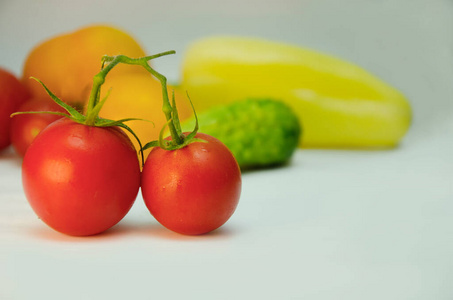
192,190
25,127
81,180
12,95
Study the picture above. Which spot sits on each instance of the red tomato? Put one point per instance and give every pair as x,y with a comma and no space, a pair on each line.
12,95
81,180
24,128
192,190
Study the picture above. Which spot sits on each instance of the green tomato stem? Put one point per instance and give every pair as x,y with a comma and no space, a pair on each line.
98,81
143,61
166,106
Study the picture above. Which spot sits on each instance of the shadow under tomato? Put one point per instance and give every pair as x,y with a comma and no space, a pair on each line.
146,230
47,233
161,232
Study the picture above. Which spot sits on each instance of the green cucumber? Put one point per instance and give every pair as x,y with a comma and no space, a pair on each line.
259,132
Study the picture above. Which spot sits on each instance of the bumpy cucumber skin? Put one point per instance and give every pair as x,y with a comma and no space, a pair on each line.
259,132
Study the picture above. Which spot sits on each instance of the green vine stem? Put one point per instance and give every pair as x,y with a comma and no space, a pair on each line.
170,111
93,100
99,79
166,106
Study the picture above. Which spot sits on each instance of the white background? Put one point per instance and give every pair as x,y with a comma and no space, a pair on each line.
334,224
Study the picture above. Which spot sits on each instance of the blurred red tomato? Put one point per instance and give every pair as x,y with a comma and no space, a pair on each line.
12,95
24,128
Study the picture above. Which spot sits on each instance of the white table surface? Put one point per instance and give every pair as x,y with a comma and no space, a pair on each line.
334,224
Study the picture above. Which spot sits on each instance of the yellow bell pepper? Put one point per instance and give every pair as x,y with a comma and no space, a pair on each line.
339,104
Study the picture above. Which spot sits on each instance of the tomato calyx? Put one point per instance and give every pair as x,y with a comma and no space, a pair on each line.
91,116
185,139
178,139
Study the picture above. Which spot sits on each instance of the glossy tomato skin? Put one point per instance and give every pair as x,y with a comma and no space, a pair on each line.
25,127
81,180
193,190
12,94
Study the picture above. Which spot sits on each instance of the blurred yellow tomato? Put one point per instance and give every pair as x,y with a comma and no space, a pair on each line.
67,63
139,95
